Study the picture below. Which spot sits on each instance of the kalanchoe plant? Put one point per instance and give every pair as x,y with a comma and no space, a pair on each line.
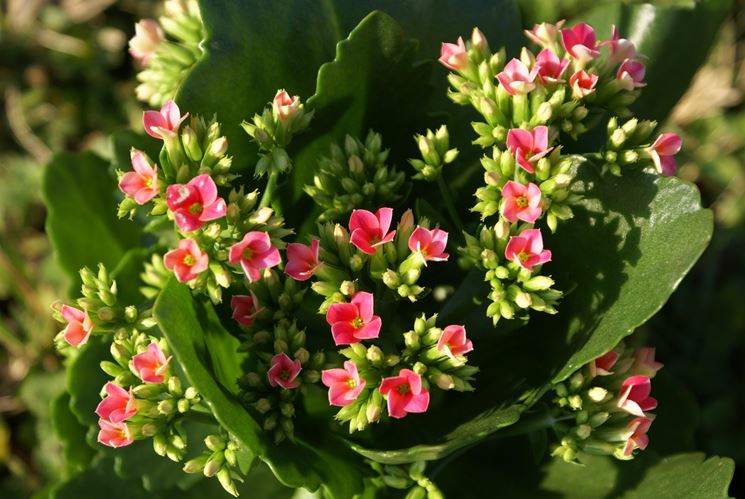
318,310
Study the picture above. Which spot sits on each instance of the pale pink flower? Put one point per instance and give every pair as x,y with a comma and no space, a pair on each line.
633,396
521,202
355,321
579,41
544,34
453,341
549,67
583,83
195,203
79,326
254,252
148,35
516,79
630,75
142,183
118,405
152,364
405,393
163,123
285,106
369,231
663,151
454,55
284,371
602,365
527,250
430,244
245,308
619,48
302,260
114,434
637,435
344,384
187,261
528,146
644,362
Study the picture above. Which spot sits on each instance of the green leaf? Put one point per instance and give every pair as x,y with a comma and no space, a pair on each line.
82,223
100,481
77,452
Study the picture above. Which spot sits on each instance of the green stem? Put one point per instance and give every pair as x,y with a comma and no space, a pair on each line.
447,197
271,186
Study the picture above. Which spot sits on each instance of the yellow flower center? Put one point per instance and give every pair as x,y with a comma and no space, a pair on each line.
357,322
195,209
189,260
521,201
248,253
403,389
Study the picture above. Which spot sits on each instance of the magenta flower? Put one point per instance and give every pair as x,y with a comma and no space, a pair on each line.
284,106
405,394
583,83
430,244
453,341
620,48
454,55
114,434
187,261
528,147
580,42
521,202
118,405
302,260
142,183
254,252
148,35
663,151
344,384
353,322
369,231
245,308
644,362
549,67
516,78
630,75
284,371
544,34
634,396
526,250
163,123
152,364
195,203
602,365
79,326
637,435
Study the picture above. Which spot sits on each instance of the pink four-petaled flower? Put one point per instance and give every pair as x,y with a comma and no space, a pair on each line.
583,83
355,321
663,151
114,434
637,435
430,244
302,260
148,35
142,183
405,393
344,384
368,230
580,42
644,362
164,123
79,326
602,365
285,106
630,75
521,202
620,48
118,405
527,250
633,396
454,55
151,365
284,371
453,341
516,79
528,146
245,308
549,67
544,34
187,261
254,253
195,203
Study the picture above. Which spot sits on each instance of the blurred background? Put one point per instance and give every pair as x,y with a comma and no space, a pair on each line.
67,81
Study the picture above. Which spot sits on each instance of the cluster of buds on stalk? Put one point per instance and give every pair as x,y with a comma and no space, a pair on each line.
629,146
608,405
166,49
224,458
355,176
436,153
410,478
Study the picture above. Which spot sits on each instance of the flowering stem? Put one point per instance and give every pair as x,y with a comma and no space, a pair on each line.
271,186
445,191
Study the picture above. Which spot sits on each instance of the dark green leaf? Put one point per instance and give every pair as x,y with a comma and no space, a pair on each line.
77,452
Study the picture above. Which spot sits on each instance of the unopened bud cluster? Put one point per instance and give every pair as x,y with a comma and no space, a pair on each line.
225,458
410,478
436,153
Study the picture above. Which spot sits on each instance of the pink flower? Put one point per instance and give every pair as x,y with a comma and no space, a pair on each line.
619,48
118,405
634,396
254,252
521,202
163,123
405,393
352,322
544,34
142,183
114,434
195,203
453,341
583,83
284,371
526,250
430,244
549,66
79,326
245,308
516,78
662,151
148,35
284,106
580,42
302,260
187,261
454,55
630,75
369,231
528,147
644,362
602,365
638,439
151,364
344,384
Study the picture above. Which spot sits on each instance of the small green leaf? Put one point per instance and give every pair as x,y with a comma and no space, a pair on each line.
77,452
